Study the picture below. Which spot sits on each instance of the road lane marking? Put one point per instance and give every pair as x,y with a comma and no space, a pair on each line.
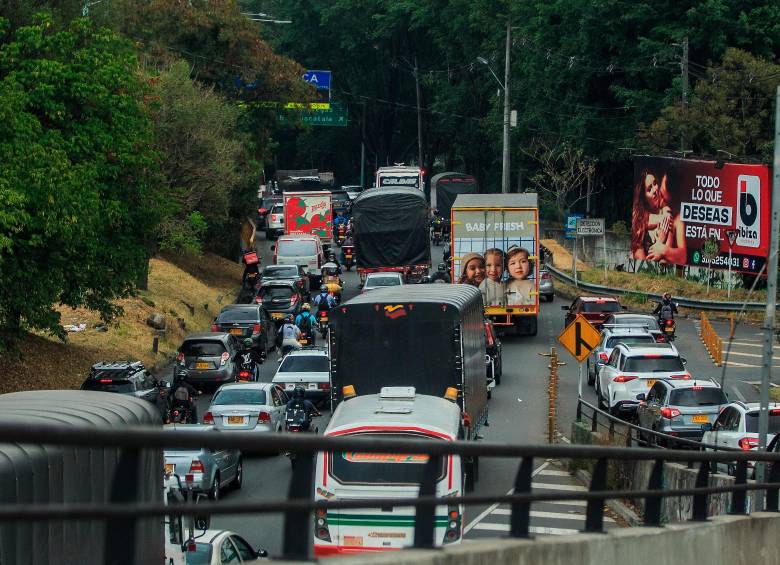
751,355
738,393
554,473
554,515
533,529
553,486
492,507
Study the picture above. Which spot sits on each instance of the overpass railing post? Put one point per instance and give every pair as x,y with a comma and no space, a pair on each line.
700,513
653,503
594,516
772,493
738,498
425,515
520,520
298,523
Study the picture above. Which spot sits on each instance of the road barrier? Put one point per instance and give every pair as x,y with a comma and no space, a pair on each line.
712,342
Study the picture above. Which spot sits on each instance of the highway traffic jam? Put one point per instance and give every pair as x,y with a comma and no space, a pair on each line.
345,325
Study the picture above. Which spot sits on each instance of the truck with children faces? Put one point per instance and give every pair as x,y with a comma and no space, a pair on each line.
495,243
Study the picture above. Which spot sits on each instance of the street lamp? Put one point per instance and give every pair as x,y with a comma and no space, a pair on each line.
505,87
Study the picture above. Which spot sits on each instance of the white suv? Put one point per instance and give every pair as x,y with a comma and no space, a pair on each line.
631,370
737,428
610,337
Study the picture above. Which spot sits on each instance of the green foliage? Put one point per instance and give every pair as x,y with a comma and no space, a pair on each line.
619,228
77,183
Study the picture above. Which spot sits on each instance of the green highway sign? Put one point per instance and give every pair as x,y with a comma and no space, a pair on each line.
336,115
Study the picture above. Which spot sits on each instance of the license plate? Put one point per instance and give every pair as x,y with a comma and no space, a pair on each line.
169,468
353,541
235,419
312,386
650,383
668,329
202,365
236,331
701,419
277,315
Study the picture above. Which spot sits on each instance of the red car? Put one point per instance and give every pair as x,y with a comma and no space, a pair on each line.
594,308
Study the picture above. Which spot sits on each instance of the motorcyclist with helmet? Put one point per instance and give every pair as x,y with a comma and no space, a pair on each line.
298,401
440,274
667,308
247,356
324,301
183,396
290,334
306,322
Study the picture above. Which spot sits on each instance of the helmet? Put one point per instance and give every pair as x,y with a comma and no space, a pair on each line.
290,318
299,392
306,307
324,288
667,295
248,342
442,267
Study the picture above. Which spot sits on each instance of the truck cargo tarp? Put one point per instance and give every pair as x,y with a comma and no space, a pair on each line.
448,186
391,228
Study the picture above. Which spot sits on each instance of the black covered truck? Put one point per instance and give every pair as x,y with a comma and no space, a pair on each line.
392,232
431,337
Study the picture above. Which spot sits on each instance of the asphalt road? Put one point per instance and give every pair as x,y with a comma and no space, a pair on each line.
518,413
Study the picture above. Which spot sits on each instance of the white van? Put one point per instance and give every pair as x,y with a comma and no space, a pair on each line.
300,249
393,413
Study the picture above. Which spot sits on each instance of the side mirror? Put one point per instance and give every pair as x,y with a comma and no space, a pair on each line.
641,397
261,552
684,360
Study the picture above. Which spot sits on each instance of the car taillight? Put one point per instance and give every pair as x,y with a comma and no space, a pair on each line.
258,300
323,386
748,443
660,338
273,217
603,357
180,357
324,314
262,210
214,328
196,466
670,413
256,329
546,276
263,418
623,378
105,381
208,418
224,358
685,377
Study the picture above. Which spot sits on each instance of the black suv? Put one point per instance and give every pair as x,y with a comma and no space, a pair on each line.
246,321
126,377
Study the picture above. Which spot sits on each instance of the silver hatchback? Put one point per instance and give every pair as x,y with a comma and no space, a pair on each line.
247,407
203,469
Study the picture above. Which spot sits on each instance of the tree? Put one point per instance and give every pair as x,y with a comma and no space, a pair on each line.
77,173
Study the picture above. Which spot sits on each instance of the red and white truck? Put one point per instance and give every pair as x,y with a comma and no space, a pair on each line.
309,212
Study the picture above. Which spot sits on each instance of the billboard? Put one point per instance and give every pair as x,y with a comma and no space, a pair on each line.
680,204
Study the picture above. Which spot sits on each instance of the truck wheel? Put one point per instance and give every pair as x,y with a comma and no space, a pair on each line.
533,326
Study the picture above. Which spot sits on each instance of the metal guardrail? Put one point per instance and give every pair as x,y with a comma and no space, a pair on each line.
686,302
123,511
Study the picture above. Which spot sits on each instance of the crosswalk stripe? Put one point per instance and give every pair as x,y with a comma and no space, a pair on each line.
488,526
746,344
566,502
542,514
554,473
553,486
732,352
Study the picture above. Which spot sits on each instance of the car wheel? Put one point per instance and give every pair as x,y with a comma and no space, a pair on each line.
591,377
239,480
215,490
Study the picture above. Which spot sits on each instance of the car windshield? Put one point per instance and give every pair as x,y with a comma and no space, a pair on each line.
296,248
697,396
275,292
305,364
383,281
238,315
239,395
629,340
202,348
277,209
110,386
201,555
600,307
653,364
751,422
280,272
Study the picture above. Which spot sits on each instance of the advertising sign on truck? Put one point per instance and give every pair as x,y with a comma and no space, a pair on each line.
681,204
309,213
494,248
391,177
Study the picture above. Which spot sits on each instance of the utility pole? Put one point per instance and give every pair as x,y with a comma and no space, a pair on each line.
505,167
684,70
587,194
419,116
363,149
771,299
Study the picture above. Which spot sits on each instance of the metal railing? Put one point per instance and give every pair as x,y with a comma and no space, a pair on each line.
124,509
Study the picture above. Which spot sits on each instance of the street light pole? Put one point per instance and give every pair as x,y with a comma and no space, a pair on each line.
505,161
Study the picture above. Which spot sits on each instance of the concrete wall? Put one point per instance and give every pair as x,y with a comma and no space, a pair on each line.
736,540
591,249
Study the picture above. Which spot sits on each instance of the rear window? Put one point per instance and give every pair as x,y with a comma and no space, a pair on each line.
600,307
275,292
383,281
202,348
305,364
630,340
651,323
352,467
751,422
296,248
280,272
240,396
277,209
653,364
238,315
111,386
702,397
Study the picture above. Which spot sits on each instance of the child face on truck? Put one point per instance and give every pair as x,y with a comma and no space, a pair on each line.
518,265
494,264
474,272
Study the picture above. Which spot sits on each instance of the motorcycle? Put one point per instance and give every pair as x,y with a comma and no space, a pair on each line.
341,234
437,233
296,421
322,321
668,328
348,253
181,414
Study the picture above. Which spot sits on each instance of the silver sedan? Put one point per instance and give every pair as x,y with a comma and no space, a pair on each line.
247,407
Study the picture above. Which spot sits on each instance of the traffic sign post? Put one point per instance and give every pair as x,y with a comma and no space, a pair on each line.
579,338
592,227
732,237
